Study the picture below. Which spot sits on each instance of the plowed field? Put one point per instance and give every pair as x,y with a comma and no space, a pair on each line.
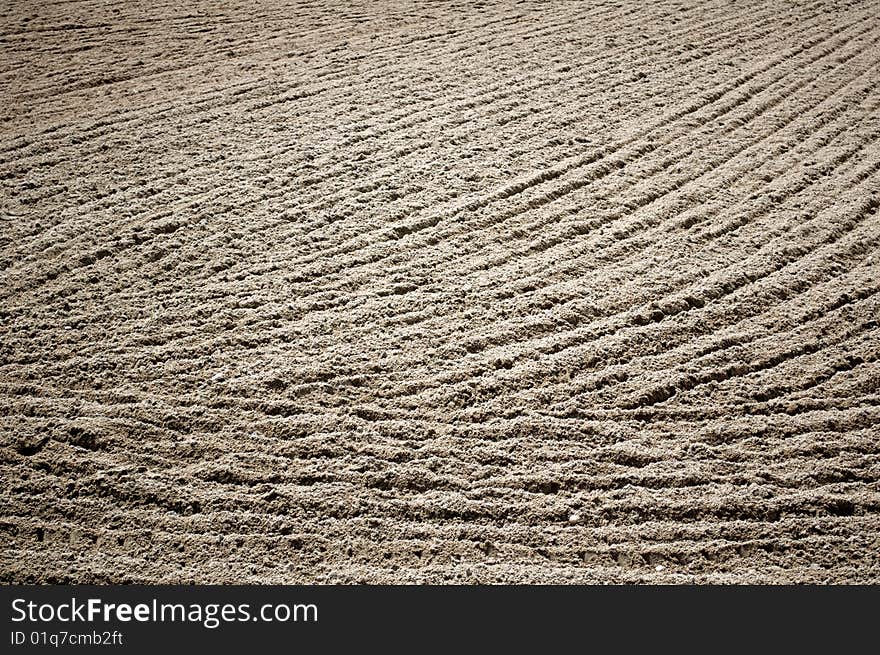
440,291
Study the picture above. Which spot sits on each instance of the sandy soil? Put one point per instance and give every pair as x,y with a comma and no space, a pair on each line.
440,291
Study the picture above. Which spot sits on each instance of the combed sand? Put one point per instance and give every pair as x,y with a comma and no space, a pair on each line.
440,291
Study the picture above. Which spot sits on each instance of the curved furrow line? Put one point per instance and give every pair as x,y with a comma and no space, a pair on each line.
859,364
515,189
238,89
535,293
645,230
102,199
731,373
701,291
367,40
533,327
680,354
519,291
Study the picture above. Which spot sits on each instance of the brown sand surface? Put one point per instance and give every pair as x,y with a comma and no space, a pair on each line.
409,291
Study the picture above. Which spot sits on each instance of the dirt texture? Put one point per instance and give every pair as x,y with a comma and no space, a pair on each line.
438,292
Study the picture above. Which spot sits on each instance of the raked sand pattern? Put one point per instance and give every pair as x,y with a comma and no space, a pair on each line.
440,291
